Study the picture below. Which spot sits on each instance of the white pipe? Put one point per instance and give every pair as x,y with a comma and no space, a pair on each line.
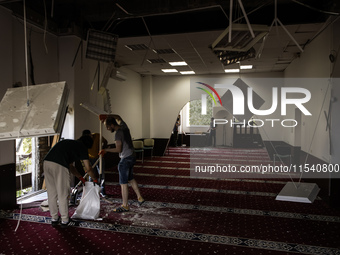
291,37
246,17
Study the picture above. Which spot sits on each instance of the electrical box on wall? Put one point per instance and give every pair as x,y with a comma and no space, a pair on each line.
36,110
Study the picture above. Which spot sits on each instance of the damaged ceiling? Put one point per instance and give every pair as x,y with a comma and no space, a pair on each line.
185,30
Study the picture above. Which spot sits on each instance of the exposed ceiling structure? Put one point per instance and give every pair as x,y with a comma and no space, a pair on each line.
267,34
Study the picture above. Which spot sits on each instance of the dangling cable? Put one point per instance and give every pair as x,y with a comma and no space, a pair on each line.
20,204
28,101
45,27
151,41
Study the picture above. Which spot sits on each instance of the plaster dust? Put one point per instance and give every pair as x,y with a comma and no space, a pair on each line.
145,216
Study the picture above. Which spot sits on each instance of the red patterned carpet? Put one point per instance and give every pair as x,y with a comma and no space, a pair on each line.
185,215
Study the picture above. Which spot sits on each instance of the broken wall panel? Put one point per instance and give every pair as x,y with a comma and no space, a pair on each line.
36,110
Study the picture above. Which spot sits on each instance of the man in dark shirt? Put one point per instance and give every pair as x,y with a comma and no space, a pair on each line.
58,163
175,130
212,135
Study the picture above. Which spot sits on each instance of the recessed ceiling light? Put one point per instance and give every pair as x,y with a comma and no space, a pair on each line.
246,66
169,70
187,72
180,63
232,70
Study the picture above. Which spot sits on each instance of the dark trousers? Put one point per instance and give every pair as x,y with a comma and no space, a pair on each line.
212,138
175,138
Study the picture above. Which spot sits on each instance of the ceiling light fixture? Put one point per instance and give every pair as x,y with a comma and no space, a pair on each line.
169,70
231,57
179,63
239,46
187,72
241,40
232,70
246,67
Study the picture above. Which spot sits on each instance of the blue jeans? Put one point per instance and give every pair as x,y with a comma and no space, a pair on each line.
125,169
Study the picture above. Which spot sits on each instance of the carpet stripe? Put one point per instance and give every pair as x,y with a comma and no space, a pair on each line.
188,236
205,178
234,192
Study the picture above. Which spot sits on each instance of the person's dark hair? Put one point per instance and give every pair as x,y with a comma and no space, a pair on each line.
111,121
86,132
86,140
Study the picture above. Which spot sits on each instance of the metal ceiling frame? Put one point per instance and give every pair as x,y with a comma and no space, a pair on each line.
262,31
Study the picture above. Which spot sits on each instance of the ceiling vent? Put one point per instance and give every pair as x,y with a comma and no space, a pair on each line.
134,47
164,51
156,61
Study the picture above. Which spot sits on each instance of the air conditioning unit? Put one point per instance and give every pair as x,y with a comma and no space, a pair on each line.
118,75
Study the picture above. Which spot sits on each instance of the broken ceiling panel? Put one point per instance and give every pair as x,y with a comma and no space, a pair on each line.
43,114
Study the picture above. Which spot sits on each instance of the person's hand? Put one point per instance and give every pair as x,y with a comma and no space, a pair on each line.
82,180
102,117
102,152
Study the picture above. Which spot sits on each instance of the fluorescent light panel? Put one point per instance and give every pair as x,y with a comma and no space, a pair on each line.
232,70
179,63
169,70
246,66
187,72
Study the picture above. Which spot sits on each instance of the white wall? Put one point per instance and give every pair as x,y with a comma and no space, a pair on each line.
45,60
126,101
169,95
147,109
335,69
313,71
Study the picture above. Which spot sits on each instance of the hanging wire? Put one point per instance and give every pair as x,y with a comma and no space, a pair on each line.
28,101
45,27
316,9
150,42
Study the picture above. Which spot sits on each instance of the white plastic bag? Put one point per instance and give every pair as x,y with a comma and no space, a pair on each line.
89,206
